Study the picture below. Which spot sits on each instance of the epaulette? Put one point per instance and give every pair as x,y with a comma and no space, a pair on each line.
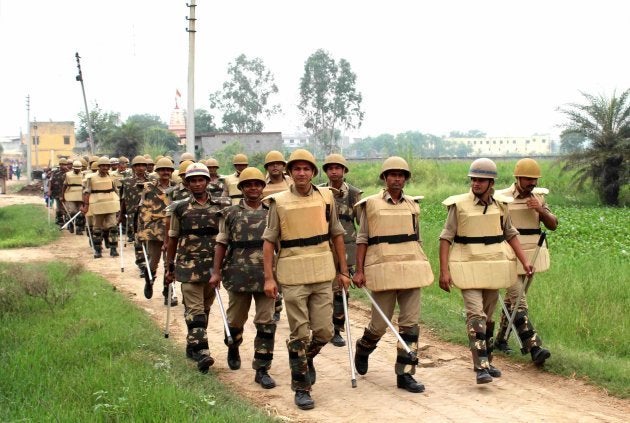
454,199
540,190
506,199
417,198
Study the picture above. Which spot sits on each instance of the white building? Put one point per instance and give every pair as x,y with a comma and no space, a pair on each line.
534,145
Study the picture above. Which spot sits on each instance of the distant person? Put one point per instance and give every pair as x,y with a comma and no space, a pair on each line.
18,171
3,178
11,169
240,162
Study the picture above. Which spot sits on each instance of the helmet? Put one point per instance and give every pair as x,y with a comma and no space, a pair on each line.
114,160
84,163
149,159
93,159
147,156
183,166
77,164
186,156
527,168
158,157
212,162
138,160
63,161
395,163
164,163
197,169
250,174
301,154
123,159
483,168
335,159
94,166
274,156
240,159
103,161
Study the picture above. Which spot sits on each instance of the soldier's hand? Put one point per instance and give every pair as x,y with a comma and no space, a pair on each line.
168,277
534,203
271,288
215,281
446,281
359,278
84,209
529,269
344,281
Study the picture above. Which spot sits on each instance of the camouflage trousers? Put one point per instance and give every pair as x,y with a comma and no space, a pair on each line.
60,214
301,352
237,313
197,298
480,305
526,332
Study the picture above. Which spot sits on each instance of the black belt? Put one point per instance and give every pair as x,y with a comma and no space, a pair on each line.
479,239
101,191
236,196
392,239
257,243
199,231
536,231
75,185
304,242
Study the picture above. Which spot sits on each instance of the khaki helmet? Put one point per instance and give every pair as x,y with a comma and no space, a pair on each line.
170,158
302,155
395,163
164,163
250,174
84,163
335,159
483,168
123,159
114,160
147,156
63,161
274,156
94,166
527,168
183,166
77,164
93,159
158,157
138,160
240,159
149,160
212,162
103,161
186,156
197,169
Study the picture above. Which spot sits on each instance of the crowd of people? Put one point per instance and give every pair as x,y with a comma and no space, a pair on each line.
285,243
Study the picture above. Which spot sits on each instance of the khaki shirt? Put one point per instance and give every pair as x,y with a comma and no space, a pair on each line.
272,231
224,232
363,233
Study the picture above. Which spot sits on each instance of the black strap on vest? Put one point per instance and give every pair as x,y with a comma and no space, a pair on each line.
75,185
536,231
236,196
200,231
392,239
479,239
101,191
256,243
304,242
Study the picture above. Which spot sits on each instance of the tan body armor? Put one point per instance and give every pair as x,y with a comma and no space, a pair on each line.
231,181
117,178
527,222
480,258
394,257
271,189
103,198
74,190
305,256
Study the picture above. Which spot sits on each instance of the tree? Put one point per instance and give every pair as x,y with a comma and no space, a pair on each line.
204,122
244,99
103,125
127,140
328,98
605,123
571,142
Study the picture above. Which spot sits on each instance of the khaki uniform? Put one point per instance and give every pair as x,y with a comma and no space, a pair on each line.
104,203
480,262
231,188
395,269
305,269
240,230
73,198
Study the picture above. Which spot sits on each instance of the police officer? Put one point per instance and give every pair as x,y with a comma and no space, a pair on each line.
192,235
392,264
73,195
216,185
346,196
528,210
304,218
477,254
240,234
55,189
240,162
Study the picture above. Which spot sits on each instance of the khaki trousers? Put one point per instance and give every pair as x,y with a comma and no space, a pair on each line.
309,309
197,297
408,302
511,294
104,222
480,304
239,305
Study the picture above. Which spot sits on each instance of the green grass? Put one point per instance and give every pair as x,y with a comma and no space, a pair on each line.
73,349
26,226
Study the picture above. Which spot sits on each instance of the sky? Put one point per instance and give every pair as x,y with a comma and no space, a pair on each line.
502,67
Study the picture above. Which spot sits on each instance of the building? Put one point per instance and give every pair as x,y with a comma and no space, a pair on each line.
177,122
11,148
50,140
535,145
294,140
252,142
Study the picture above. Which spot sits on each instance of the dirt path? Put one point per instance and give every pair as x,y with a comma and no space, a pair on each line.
523,393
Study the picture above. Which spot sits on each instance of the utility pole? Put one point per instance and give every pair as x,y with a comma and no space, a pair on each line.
36,138
88,118
190,112
29,166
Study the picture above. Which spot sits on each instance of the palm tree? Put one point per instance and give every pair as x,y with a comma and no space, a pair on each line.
605,125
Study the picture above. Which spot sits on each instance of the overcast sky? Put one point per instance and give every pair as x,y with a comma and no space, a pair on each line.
502,67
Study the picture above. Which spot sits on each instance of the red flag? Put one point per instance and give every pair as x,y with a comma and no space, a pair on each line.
177,93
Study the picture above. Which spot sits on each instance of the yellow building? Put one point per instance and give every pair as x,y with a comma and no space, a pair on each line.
50,140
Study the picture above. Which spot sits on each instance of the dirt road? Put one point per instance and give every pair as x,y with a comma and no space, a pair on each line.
523,394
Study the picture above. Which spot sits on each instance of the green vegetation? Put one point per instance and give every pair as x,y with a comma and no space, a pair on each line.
25,226
73,349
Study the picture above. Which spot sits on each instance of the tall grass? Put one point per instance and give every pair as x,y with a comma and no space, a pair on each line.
26,226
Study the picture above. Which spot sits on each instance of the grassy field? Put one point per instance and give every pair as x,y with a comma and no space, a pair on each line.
73,349
26,225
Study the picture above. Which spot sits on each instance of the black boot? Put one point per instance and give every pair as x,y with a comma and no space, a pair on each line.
148,286
303,400
204,362
113,252
406,381
539,355
337,340
263,378
233,358
98,252
312,374
492,371
364,347
483,376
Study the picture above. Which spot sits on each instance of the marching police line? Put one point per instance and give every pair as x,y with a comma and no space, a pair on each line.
281,241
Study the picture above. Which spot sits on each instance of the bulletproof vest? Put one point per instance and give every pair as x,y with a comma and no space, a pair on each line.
394,258
305,256
198,229
180,192
215,188
103,198
278,187
235,194
56,183
132,188
74,191
480,258
527,222
175,176
152,213
243,267
117,178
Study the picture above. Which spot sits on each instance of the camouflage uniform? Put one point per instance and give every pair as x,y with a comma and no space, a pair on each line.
195,226
241,229
56,191
216,187
130,198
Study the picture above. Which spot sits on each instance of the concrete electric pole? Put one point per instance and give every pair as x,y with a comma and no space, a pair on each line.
190,111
